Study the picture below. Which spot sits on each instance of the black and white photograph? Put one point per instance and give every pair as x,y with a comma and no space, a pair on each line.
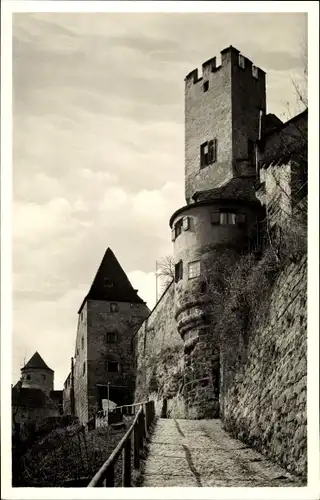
158,195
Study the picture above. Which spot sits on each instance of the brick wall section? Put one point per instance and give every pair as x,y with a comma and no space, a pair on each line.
264,404
123,322
159,358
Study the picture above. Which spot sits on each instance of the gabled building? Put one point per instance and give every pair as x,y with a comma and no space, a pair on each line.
108,317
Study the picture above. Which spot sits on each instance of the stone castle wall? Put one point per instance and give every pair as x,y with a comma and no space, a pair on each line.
159,358
264,402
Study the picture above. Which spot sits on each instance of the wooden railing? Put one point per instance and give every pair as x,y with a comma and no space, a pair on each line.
144,415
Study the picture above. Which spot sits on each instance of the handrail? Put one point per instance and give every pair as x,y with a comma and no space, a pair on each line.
140,427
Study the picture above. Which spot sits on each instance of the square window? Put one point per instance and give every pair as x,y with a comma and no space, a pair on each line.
223,218
215,218
227,218
178,271
241,61
108,282
112,337
114,307
255,71
112,366
206,86
208,153
194,269
241,219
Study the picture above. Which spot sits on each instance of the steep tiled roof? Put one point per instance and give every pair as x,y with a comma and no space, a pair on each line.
36,361
111,283
31,398
235,189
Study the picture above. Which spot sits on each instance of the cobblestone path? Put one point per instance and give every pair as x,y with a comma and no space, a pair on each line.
200,453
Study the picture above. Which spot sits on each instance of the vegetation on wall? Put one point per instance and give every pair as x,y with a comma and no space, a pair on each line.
238,285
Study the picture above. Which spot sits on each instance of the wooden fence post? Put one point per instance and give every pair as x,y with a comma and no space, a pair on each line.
109,481
126,463
136,444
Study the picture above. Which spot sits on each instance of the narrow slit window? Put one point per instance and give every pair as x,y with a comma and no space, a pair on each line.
178,228
206,86
178,271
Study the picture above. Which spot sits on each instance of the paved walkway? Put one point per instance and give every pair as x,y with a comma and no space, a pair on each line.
200,453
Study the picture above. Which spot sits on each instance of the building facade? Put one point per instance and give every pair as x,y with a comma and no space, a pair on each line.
102,367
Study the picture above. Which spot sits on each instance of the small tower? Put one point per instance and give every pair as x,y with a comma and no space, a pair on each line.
108,317
222,118
37,375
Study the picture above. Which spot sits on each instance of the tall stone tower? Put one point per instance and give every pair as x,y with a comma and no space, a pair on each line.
223,118
36,374
223,111
108,317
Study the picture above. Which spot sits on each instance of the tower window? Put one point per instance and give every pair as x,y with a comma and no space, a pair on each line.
107,282
241,219
112,337
44,377
178,271
82,342
227,218
241,61
83,369
194,269
185,223
113,366
255,71
114,307
206,86
28,377
178,228
208,153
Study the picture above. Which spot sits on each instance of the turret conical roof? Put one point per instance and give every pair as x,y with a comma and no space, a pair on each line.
36,361
111,283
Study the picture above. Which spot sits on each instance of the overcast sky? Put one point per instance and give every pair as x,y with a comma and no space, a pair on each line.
98,149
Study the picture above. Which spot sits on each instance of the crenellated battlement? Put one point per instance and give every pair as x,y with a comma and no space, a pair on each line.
229,56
